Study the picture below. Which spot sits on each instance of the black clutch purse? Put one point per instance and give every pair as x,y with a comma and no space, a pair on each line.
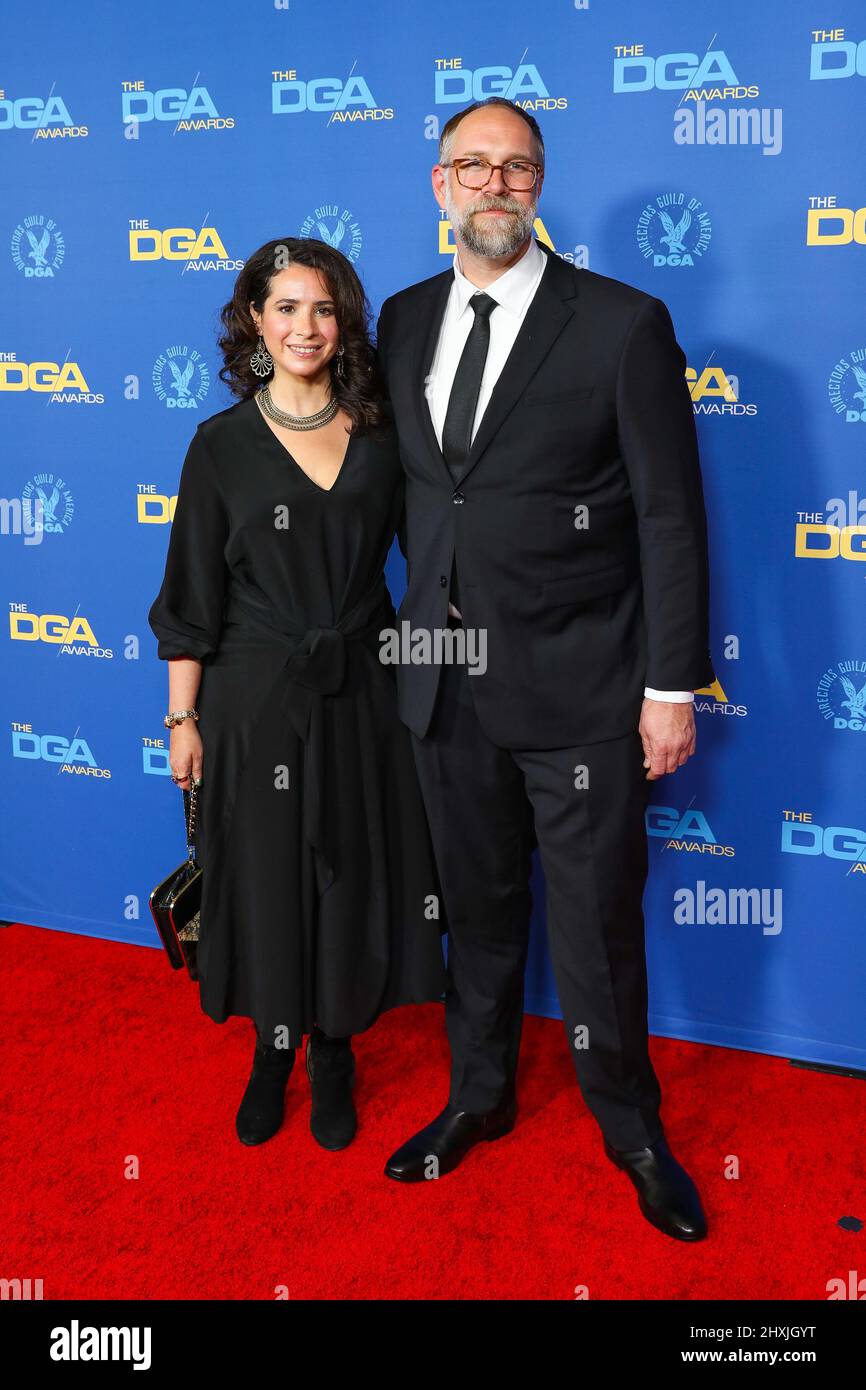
176,902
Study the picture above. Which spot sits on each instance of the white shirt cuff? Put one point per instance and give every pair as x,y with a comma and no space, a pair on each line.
674,697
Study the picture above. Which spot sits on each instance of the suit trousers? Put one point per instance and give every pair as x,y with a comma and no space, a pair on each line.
584,807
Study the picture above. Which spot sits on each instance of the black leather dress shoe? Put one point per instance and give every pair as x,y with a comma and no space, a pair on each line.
666,1194
331,1069
448,1139
260,1113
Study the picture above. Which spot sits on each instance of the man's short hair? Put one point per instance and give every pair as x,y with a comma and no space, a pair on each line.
447,135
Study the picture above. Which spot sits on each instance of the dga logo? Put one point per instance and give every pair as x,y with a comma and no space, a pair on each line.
673,230
72,754
839,531
710,78
154,508
202,249
832,55
47,503
38,247
800,835
716,392
64,382
688,831
847,387
75,637
48,119
717,701
181,378
346,101
335,226
842,695
524,85
189,111
829,225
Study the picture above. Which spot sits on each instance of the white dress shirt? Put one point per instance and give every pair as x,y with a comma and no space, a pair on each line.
513,291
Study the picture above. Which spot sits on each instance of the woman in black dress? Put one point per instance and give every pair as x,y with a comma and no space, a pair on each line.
320,901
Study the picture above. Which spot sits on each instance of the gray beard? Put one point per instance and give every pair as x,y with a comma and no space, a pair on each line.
503,238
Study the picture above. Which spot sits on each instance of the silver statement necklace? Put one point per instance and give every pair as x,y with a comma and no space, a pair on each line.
295,422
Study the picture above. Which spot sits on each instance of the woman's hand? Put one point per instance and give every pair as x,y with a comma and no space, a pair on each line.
185,753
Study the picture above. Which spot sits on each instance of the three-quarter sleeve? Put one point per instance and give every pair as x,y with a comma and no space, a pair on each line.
186,615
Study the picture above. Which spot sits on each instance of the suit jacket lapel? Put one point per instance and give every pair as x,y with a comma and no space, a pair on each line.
425,345
550,310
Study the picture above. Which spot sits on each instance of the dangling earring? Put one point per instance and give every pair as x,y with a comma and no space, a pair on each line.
338,370
261,361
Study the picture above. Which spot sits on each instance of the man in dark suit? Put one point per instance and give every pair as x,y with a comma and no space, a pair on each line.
554,506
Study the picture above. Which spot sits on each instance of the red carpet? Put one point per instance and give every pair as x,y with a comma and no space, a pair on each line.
109,1061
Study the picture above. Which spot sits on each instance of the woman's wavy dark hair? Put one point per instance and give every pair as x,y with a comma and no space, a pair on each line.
359,390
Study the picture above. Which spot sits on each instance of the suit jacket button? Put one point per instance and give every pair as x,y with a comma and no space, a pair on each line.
458,497
443,582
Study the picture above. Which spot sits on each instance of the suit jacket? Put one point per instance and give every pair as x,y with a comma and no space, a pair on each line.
582,608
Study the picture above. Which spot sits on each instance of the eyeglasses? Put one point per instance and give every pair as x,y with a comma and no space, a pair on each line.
518,174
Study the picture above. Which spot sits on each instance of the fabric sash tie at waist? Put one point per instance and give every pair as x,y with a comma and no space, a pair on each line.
315,667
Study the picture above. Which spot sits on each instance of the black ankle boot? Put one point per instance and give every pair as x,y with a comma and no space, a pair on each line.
261,1110
331,1069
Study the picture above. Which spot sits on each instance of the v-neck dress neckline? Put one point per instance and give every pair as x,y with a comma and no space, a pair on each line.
303,472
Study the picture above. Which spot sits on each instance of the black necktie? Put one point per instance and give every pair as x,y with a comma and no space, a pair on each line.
463,401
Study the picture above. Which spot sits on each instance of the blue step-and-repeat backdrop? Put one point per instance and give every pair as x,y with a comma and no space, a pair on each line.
713,156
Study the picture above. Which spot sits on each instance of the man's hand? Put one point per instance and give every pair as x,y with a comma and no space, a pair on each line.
668,734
